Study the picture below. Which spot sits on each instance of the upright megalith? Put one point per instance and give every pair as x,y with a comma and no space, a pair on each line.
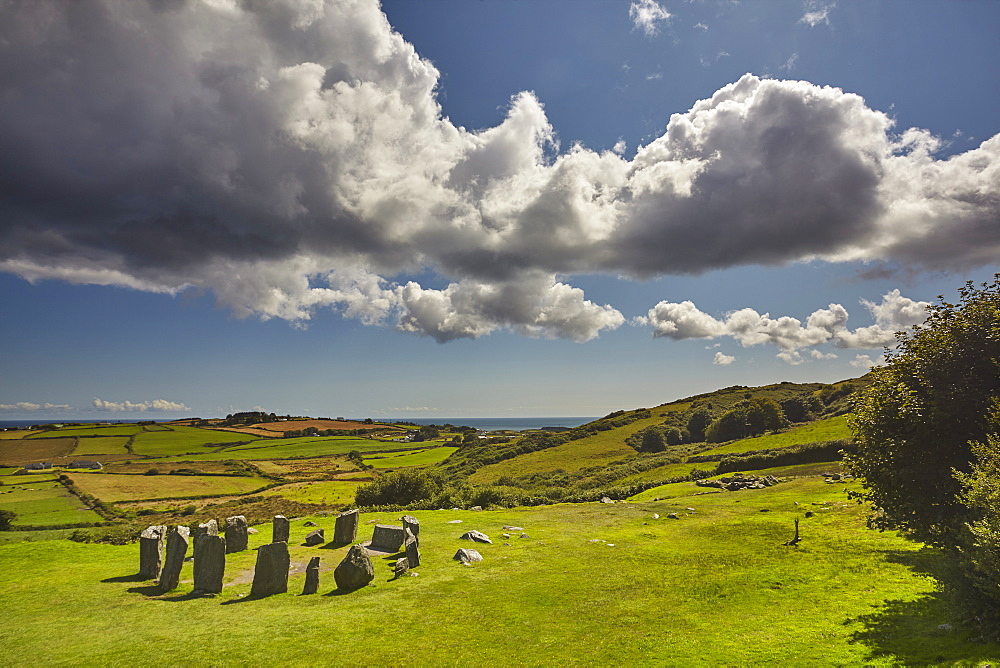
412,549
151,551
279,530
355,571
270,574
209,528
177,545
387,538
346,529
312,577
236,534
411,524
209,563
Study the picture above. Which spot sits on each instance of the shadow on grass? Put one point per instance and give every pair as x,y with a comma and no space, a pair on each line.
910,632
127,578
250,597
148,590
333,545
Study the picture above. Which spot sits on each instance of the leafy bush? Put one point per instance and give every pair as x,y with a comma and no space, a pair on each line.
751,417
399,488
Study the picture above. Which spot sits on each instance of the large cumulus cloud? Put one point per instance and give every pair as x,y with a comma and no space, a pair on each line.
292,156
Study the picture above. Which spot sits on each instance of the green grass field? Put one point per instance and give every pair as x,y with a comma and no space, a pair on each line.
114,488
822,430
182,440
596,450
592,584
332,492
39,500
411,458
100,446
110,430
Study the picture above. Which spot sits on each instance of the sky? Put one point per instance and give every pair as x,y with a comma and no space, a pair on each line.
479,209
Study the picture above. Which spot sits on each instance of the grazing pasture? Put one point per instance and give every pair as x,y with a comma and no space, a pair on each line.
424,457
182,440
822,430
101,445
90,430
40,500
114,488
331,492
28,450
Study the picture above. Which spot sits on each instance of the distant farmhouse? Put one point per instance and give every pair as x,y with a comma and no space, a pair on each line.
38,466
84,464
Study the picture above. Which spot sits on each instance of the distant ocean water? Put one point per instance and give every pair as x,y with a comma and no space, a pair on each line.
7,424
495,424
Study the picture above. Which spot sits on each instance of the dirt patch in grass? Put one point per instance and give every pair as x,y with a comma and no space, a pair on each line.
24,451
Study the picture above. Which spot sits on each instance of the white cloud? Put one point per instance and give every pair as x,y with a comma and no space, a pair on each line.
647,15
701,26
291,157
722,359
140,407
864,362
684,320
817,12
30,406
790,63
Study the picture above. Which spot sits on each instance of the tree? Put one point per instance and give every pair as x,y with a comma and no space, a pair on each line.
750,417
700,419
916,421
652,440
7,517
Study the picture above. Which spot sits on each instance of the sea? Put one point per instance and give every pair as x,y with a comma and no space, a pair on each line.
484,424
496,424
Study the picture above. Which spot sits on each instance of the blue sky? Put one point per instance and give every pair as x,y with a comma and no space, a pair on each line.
453,208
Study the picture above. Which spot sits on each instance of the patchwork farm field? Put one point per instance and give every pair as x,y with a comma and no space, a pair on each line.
331,492
25,451
114,488
101,445
181,440
716,587
89,430
424,457
40,500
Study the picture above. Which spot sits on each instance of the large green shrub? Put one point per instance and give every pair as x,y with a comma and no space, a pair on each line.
751,417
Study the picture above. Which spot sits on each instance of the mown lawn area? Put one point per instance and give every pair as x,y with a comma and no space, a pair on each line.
113,488
589,584
822,430
41,501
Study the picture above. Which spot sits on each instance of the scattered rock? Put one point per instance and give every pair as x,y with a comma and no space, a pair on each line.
476,536
355,571
309,523
236,534
346,529
315,537
467,555
944,627
524,535
270,574
209,562
739,481
508,527
673,516
476,508
765,510
311,585
280,529
505,536
454,521
252,531
809,513
605,499
656,516
690,510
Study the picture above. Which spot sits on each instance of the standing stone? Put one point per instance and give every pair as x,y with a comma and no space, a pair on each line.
401,568
236,534
209,562
346,530
177,545
355,571
151,551
412,548
209,528
279,530
413,525
312,577
315,537
387,538
270,574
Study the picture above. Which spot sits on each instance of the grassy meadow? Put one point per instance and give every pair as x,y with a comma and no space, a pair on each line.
588,584
670,574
